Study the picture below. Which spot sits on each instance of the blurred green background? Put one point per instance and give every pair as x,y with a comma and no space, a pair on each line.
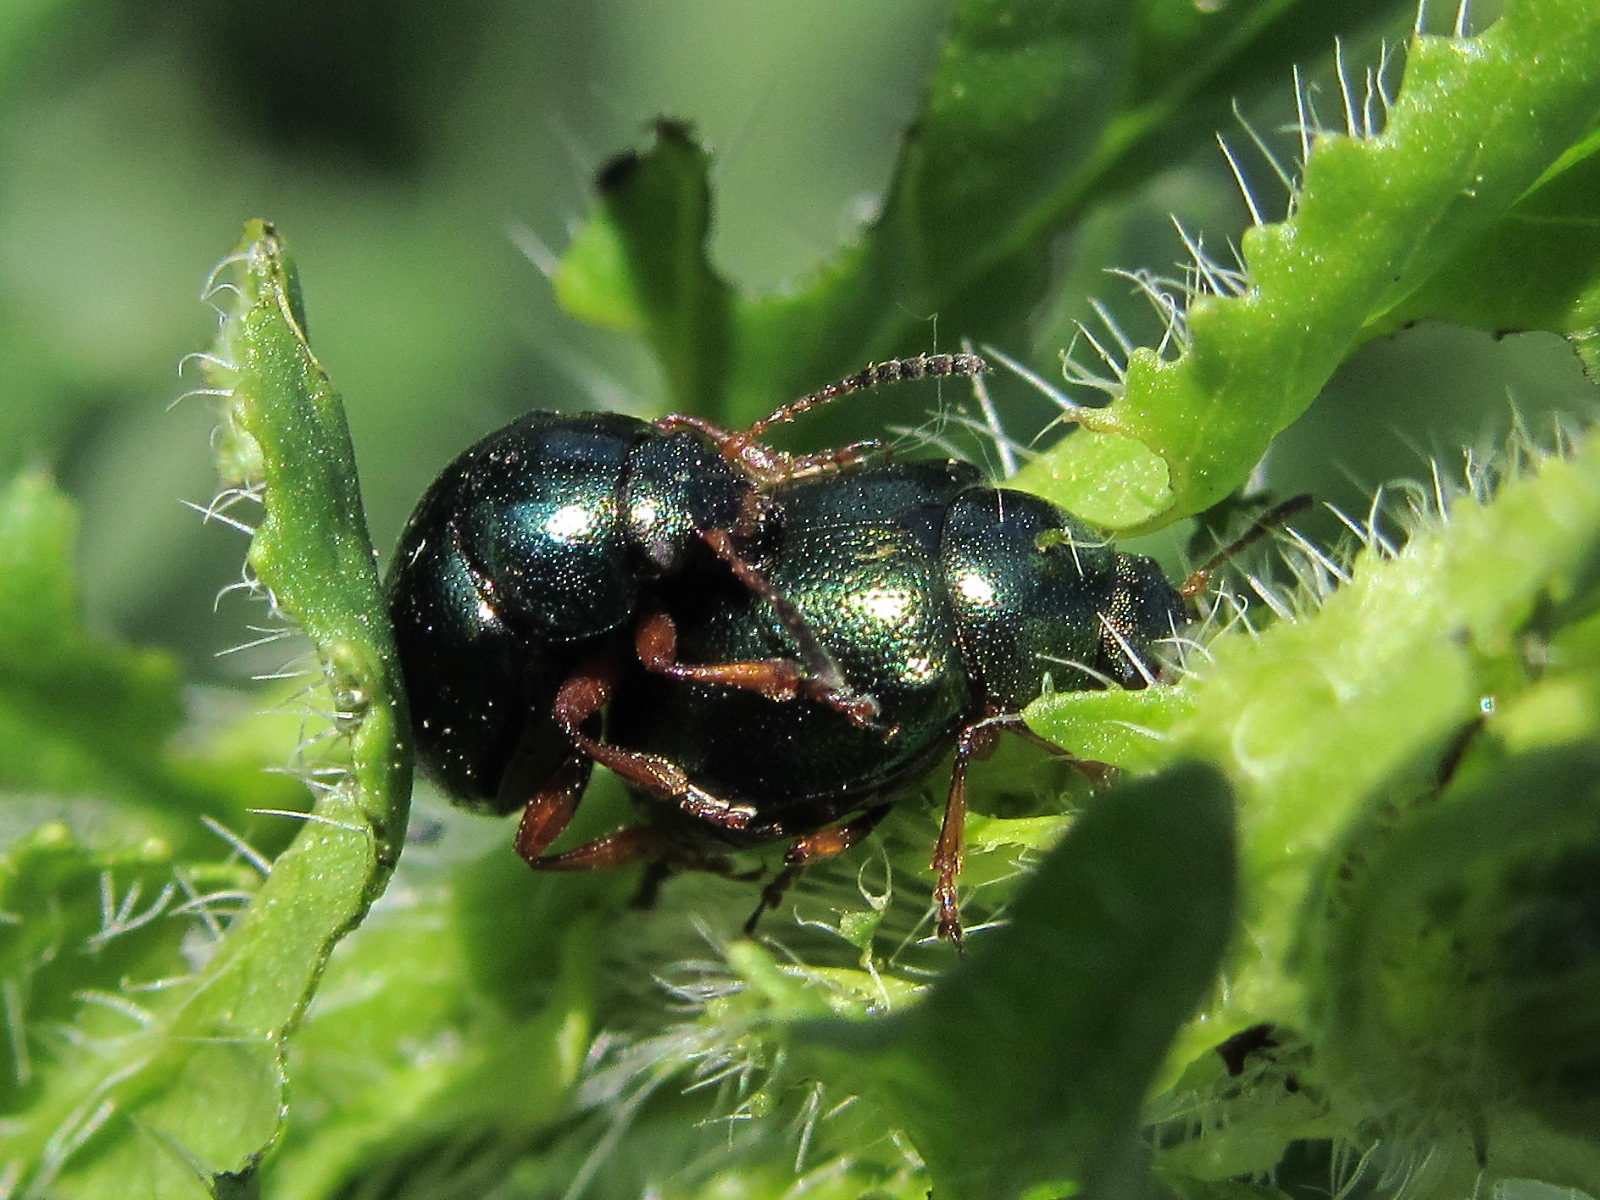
425,162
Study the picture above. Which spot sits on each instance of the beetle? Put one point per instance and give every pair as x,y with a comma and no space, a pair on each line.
542,546
809,635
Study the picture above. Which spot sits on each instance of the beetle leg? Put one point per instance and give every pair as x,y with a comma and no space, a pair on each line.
580,699
641,844
552,807
821,679
801,466
947,851
1279,514
620,848
662,779
585,694
550,811
976,740
1098,774
779,679
656,641
814,848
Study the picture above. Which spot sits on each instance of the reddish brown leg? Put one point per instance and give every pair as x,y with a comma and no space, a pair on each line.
1098,774
550,811
814,848
584,695
621,848
656,641
805,465
976,741
1200,578
636,844
552,807
822,680
579,700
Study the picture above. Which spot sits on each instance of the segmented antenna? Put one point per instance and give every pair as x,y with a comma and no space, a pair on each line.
1264,524
894,370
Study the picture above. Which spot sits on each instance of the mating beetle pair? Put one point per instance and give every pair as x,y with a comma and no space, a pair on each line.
775,645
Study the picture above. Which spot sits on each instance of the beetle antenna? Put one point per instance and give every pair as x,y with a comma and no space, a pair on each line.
923,366
1200,579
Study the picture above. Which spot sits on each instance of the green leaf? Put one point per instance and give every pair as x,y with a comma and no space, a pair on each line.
185,1094
640,264
1120,728
1537,267
84,718
1334,720
1477,122
1024,1071
85,931
1227,1190
373,1112
107,701
1458,977
285,437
